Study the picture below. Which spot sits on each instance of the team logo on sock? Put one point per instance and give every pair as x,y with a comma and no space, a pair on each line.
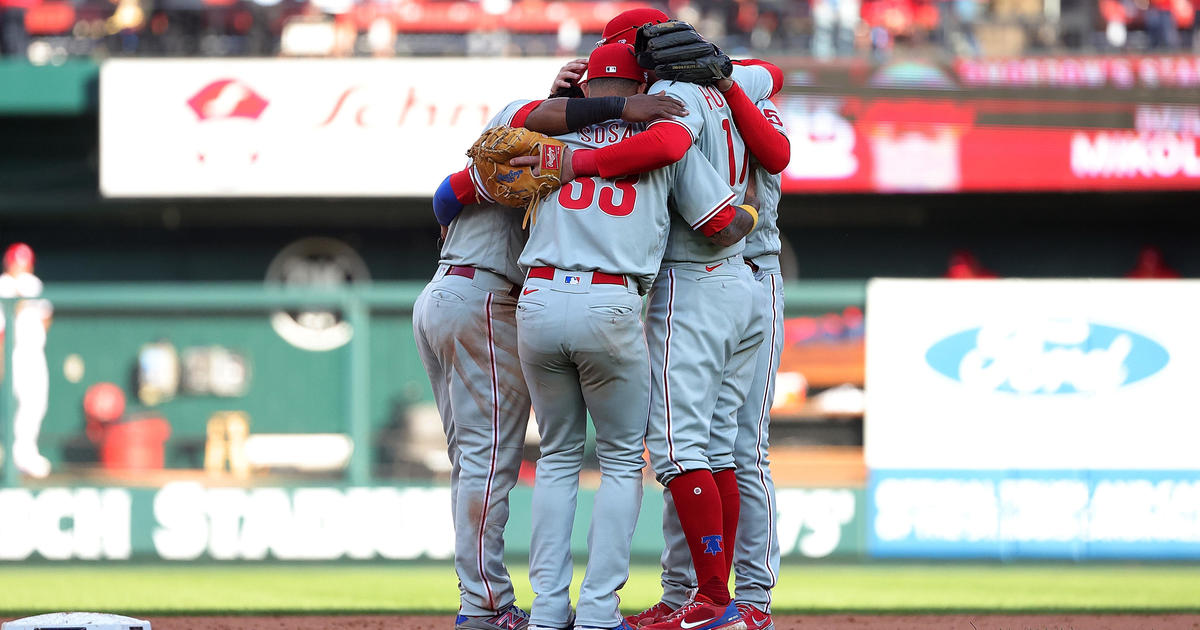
712,544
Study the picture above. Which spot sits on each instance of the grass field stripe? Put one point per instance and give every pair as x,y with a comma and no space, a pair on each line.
487,494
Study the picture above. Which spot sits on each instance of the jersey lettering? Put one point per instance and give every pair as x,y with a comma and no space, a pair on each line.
604,134
712,97
772,117
583,196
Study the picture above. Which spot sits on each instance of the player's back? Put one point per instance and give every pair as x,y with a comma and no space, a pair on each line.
763,244
710,124
617,226
489,235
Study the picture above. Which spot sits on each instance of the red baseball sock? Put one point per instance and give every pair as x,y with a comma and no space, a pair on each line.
731,504
698,503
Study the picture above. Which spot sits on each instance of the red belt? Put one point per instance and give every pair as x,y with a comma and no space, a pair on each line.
598,277
469,272
753,267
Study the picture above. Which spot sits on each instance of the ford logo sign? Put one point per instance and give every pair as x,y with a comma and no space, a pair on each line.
1047,357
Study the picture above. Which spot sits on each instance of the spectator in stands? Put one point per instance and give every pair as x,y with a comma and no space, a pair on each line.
1150,265
965,266
1161,26
14,39
835,23
956,25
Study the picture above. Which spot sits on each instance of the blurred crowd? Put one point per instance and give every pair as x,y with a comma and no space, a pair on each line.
50,30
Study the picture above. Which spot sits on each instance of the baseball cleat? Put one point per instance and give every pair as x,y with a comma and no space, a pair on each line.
510,617
702,614
653,614
755,619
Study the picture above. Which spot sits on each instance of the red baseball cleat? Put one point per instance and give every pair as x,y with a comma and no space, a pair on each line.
701,614
653,614
755,619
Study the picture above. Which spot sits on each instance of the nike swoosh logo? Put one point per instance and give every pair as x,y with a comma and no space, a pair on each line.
528,291
685,625
707,268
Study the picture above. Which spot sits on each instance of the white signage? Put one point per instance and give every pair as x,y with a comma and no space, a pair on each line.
299,127
302,524
1032,374
1066,511
65,523
812,521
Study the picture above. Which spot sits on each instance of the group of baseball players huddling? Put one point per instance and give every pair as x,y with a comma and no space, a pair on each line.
669,193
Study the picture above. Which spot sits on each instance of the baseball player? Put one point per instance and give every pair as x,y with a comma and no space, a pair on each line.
692,432
756,568
464,323
592,253
756,551
771,150
31,378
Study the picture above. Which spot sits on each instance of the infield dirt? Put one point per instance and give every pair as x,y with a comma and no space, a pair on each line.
782,622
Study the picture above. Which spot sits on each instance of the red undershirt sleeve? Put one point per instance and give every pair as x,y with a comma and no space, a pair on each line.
464,190
776,73
719,222
764,141
518,119
656,147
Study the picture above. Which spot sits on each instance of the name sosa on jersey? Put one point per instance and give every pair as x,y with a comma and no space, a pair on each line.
609,133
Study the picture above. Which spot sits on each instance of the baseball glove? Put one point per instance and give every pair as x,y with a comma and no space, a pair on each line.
676,52
516,187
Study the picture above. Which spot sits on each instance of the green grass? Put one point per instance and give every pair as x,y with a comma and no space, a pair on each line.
159,590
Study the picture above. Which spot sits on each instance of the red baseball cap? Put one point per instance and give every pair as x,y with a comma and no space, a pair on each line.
617,61
18,253
623,27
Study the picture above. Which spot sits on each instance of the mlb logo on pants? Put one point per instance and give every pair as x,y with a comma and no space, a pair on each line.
572,279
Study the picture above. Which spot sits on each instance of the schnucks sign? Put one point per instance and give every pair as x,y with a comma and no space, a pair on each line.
1077,124
1032,418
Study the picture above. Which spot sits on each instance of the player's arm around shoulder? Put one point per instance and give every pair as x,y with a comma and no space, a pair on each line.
742,220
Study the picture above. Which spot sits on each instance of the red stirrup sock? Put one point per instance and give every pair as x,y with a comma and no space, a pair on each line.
731,504
698,503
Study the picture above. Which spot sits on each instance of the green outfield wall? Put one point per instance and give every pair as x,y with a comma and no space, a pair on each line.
338,360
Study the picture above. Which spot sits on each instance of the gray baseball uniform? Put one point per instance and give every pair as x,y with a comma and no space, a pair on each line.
731,393
693,353
594,249
466,334
756,551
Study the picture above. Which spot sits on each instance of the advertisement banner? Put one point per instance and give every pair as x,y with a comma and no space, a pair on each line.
299,127
1046,124
1032,418
187,521
396,127
1032,374
1079,515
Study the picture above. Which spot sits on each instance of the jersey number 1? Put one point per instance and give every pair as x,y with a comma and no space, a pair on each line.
733,170
580,194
